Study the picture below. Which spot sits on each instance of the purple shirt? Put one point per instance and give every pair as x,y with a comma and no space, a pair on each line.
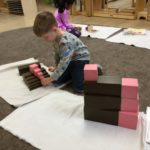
62,19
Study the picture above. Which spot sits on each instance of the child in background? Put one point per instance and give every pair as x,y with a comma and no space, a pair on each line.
61,15
70,53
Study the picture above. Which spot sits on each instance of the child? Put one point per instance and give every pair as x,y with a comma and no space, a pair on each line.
70,53
61,15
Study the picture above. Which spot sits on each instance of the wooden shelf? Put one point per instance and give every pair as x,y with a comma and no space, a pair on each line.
100,8
3,6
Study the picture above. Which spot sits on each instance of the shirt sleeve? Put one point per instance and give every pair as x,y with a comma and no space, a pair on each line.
64,18
59,20
67,52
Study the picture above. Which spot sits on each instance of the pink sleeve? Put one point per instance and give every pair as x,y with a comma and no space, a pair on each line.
59,20
65,19
62,20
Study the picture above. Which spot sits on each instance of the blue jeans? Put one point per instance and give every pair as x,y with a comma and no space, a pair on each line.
75,73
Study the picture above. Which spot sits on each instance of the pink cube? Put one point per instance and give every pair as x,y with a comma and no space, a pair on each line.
129,88
129,105
36,71
40,75
128,120
32,67
90,72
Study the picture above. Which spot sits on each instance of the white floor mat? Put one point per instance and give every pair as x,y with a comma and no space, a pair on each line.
55,122
142,41
102,31
13,88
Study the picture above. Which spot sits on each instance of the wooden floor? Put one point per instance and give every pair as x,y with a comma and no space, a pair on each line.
120,4
10,22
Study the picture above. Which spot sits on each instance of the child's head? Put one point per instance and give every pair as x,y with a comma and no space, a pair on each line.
63,4
45,26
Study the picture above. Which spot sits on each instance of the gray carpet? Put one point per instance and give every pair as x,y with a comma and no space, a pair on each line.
116,59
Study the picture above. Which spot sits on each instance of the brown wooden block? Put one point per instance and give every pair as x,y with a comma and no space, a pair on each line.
46,75
30,78
27,74
105,85
34,87
109,117
32,81
35,84
30,84
102,102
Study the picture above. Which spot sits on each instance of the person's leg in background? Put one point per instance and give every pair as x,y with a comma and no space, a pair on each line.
77,73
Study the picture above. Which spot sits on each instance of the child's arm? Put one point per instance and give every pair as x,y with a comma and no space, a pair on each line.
65,21
59,18
67,53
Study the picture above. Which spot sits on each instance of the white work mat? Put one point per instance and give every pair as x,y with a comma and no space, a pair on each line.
103,32
145,129
142,41
56,122
13,89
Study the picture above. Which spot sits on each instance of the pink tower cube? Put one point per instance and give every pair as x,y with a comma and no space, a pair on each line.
129,88
32,67
40,75
36,71
90,72
128,120
130,105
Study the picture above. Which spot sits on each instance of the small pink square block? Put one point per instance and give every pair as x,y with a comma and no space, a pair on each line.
129,88
129,105
90,72
128,119
40,75
32,67
36,71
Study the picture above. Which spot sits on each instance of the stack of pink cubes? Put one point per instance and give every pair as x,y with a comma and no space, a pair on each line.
128,116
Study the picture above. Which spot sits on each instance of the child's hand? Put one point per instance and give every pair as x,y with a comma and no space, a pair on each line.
52,69
46,81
